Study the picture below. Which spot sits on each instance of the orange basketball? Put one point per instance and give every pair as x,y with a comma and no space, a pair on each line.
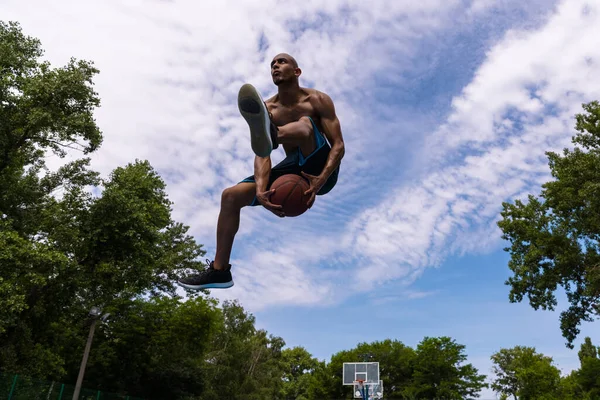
289,193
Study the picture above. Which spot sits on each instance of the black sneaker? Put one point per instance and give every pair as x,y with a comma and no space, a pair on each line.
263,132
210,278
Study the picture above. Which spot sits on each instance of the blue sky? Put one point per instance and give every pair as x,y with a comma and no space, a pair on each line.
447,108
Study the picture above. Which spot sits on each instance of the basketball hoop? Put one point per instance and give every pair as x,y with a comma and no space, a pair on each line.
359,385
364,379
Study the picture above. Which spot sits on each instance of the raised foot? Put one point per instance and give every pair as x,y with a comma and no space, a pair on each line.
263,133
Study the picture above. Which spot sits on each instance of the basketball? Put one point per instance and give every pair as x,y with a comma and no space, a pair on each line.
289,193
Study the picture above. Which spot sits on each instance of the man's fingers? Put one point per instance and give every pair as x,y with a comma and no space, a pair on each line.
272,206
276,206
278,213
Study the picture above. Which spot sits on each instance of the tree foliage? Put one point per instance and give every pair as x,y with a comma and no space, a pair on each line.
587,350
150,348
63,250
523,373
299,376
243,362
588,375
554,237
440,372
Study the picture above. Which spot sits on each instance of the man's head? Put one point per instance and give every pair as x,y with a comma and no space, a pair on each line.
284,69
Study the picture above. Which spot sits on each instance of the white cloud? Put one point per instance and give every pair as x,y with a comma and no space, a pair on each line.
170,72
378,300
168,82
280,277
477,159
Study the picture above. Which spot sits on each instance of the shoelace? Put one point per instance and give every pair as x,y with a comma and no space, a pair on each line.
208,270
210,267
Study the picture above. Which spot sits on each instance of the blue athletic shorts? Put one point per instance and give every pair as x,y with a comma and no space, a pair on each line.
312,164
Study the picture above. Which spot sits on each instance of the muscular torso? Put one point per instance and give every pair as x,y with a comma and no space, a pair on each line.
305,107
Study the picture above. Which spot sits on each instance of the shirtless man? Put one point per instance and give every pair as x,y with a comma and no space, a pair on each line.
303,121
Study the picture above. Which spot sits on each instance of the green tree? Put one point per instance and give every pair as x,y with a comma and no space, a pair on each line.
569,388
321,383
97,252
523,373
587,350
152,348
440,372
243,362
554,237
588,377
298,367
42,110
63,250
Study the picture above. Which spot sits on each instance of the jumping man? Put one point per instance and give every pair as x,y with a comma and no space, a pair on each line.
303,121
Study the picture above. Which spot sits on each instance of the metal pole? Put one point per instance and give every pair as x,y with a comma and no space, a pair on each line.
12,389
50,391
86,353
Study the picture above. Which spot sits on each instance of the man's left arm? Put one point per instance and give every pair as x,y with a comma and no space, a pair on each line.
333,131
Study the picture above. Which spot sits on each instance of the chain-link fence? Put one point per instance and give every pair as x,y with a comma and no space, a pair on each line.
21,387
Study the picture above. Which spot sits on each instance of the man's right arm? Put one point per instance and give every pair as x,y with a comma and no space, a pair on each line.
262,172
262,169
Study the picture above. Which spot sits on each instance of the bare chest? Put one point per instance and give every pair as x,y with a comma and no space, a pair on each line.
284,115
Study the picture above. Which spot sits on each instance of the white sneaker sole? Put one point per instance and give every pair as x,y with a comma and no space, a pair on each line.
225,285
254,111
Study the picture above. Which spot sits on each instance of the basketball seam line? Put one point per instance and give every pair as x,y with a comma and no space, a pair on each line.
289,194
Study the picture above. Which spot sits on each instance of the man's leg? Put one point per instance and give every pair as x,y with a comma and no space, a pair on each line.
298,133
218,273
233,200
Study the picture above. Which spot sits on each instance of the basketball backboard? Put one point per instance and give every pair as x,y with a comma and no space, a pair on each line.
364,371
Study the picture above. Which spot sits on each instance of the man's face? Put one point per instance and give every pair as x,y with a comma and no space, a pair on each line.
282,69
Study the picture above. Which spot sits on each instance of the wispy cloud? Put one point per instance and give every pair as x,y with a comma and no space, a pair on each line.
170,72
169,78
519,104
377,300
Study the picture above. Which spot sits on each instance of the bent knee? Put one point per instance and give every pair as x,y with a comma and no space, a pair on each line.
308,126
229,196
